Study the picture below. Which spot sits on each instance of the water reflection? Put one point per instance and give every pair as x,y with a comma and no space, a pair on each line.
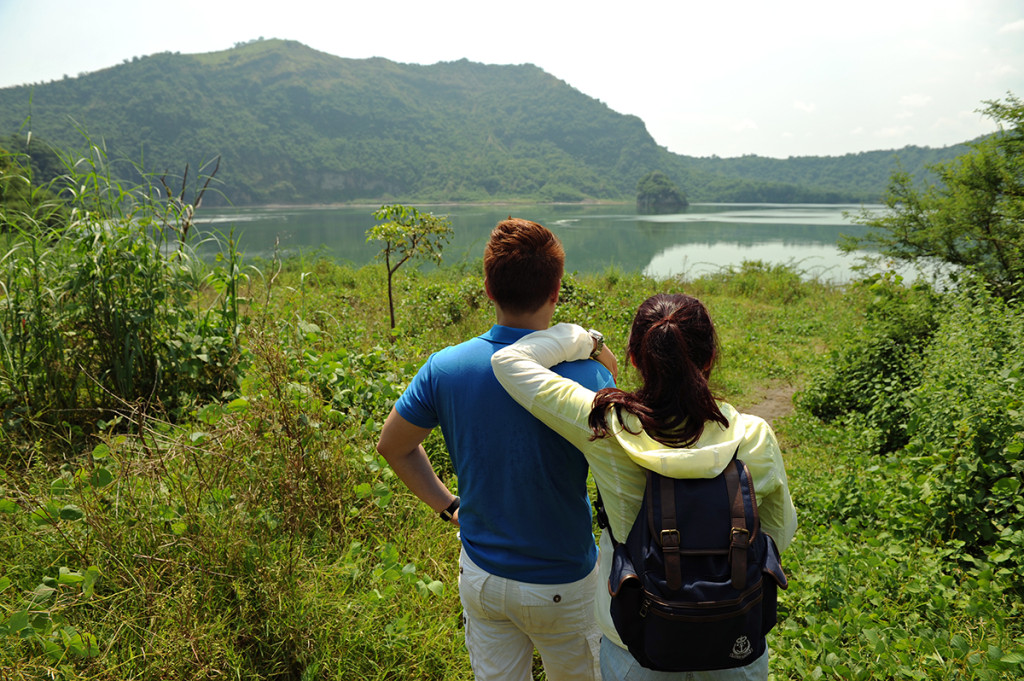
705,237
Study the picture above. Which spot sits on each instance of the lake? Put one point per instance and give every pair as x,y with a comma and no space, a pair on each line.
703,238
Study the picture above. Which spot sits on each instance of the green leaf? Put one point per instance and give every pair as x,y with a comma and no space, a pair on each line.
71,512
45,515
100,451
236,405
8,506
18,621
53,651
42,593
101,477
68,577
89,581
1008,485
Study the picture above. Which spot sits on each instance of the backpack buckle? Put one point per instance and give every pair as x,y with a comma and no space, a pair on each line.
738,556
740,537
670,539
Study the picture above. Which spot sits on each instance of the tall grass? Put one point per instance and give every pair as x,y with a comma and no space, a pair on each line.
112,311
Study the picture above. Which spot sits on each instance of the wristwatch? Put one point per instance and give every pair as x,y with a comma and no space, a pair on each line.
598,342
449,513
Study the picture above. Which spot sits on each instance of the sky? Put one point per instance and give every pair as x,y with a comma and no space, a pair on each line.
774,78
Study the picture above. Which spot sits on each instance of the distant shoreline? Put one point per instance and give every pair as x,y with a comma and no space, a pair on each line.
375,205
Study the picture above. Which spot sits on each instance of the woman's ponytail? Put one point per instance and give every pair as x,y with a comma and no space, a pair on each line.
673,345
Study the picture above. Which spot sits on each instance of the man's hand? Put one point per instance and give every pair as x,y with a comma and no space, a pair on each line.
401,443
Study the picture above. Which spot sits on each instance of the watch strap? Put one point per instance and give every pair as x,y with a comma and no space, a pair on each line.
449,513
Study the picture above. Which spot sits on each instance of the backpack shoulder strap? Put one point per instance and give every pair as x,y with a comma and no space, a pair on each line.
668,539
602,515
739,540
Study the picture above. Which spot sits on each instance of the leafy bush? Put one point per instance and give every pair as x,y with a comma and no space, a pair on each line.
875,592
435,304
951,419
967,427
877,367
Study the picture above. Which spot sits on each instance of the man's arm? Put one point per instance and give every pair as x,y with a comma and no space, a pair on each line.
607,358
401,445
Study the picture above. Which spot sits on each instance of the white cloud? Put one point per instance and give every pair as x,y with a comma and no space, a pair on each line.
1014,27
915,101
895,132
806,107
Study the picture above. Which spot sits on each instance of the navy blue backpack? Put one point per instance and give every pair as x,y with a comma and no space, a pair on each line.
694,585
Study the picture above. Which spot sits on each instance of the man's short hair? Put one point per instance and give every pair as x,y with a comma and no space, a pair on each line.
523,264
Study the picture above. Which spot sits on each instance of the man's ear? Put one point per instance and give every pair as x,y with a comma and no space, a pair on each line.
554,294
487,289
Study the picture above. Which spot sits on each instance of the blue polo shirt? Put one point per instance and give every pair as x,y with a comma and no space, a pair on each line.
525,514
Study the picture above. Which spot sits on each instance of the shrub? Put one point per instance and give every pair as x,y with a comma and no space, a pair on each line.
966,427
879,364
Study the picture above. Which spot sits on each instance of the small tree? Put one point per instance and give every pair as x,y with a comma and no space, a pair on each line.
974,218
407,233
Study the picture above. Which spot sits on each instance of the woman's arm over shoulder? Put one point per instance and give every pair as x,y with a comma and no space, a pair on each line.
523,370
523,367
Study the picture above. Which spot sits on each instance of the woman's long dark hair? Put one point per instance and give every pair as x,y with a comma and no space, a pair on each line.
673,344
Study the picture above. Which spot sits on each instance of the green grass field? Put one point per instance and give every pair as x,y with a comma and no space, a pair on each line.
259,536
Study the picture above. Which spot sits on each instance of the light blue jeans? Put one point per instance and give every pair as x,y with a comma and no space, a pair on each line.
618,665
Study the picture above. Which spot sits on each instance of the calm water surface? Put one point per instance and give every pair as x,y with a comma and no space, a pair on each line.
704,238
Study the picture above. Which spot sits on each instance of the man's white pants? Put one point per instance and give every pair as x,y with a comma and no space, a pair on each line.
506,619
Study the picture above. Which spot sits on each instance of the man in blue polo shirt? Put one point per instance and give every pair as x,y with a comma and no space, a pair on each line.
527,574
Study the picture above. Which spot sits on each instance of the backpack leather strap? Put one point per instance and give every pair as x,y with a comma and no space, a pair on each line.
668,537
739,540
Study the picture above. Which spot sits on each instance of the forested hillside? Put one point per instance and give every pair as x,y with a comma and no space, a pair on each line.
293,125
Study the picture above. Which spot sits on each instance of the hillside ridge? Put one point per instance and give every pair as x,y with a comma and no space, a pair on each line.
294,125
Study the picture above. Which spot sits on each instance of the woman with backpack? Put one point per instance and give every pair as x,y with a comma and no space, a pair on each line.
671,425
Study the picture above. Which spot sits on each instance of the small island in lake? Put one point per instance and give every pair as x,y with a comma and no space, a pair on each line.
655,193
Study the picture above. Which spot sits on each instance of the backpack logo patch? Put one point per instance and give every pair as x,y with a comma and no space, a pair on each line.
741,648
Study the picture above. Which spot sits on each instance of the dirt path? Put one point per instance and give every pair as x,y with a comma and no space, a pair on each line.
774,402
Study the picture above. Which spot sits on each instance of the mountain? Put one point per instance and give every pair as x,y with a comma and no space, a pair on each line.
294,125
